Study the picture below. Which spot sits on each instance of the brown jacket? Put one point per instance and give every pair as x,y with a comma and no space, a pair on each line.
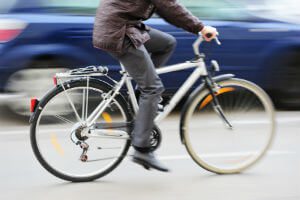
117,18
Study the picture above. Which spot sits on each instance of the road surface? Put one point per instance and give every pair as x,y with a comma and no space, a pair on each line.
276,177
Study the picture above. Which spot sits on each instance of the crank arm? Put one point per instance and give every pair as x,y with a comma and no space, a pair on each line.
108,134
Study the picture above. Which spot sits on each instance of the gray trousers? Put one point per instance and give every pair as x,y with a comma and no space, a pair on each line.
140,63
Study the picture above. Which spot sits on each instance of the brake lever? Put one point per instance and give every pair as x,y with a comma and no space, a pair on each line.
210,35
217,41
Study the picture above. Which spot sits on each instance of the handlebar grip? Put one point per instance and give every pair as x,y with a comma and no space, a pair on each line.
208,35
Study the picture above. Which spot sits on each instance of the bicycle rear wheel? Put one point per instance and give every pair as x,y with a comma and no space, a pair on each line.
52,131
221,149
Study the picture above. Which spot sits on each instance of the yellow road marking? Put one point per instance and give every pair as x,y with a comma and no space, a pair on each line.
106,117
56,145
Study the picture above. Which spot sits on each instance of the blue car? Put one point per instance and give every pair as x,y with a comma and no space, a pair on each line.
41,37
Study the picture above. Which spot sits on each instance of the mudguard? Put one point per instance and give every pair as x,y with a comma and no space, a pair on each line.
199,89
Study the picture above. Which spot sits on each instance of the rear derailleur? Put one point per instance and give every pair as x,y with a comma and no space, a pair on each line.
78,137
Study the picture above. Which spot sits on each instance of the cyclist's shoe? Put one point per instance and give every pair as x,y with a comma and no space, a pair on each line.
148,161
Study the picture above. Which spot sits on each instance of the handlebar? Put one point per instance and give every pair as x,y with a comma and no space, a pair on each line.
199,41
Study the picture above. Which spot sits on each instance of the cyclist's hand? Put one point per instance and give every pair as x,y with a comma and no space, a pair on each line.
209,33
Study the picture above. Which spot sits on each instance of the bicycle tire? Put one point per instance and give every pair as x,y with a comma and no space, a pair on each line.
208,161
94,83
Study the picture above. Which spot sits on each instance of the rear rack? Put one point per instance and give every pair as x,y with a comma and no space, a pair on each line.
86,71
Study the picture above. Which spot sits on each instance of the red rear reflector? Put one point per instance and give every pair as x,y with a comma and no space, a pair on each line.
33,104
7,35
54,80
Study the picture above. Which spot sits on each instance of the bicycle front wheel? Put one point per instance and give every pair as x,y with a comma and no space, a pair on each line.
56,127
222,149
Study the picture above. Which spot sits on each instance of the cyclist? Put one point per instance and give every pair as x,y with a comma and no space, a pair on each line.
119,30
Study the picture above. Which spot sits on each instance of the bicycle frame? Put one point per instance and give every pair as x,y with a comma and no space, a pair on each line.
200,70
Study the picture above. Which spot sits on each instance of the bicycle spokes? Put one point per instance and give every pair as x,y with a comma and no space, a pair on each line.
247,113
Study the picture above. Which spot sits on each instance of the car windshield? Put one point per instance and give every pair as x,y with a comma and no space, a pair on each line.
275,9
245,9
78,7
211,9
6,6
217,9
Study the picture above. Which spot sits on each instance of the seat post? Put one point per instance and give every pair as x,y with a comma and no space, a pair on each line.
122,66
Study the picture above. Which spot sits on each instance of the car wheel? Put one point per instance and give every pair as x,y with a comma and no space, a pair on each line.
28,83
287,92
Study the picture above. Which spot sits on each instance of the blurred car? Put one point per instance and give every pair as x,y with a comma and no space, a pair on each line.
41,37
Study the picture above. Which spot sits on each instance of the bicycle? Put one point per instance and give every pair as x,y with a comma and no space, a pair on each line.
80,130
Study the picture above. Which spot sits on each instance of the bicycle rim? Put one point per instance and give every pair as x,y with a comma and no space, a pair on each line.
55,148
215,146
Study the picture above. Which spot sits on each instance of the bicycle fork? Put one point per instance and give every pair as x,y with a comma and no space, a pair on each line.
213,88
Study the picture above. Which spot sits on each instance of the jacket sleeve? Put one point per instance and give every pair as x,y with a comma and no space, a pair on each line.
179,16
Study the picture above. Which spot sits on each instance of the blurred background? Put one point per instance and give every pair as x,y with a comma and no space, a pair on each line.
260,42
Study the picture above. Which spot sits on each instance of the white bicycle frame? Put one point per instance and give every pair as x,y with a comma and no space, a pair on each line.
200,70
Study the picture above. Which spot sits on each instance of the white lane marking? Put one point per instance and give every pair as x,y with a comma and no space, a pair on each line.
216,155
288,119
26,132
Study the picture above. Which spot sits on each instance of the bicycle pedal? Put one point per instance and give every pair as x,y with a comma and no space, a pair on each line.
160,108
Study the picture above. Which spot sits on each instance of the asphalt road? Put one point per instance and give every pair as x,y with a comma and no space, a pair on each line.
277,176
